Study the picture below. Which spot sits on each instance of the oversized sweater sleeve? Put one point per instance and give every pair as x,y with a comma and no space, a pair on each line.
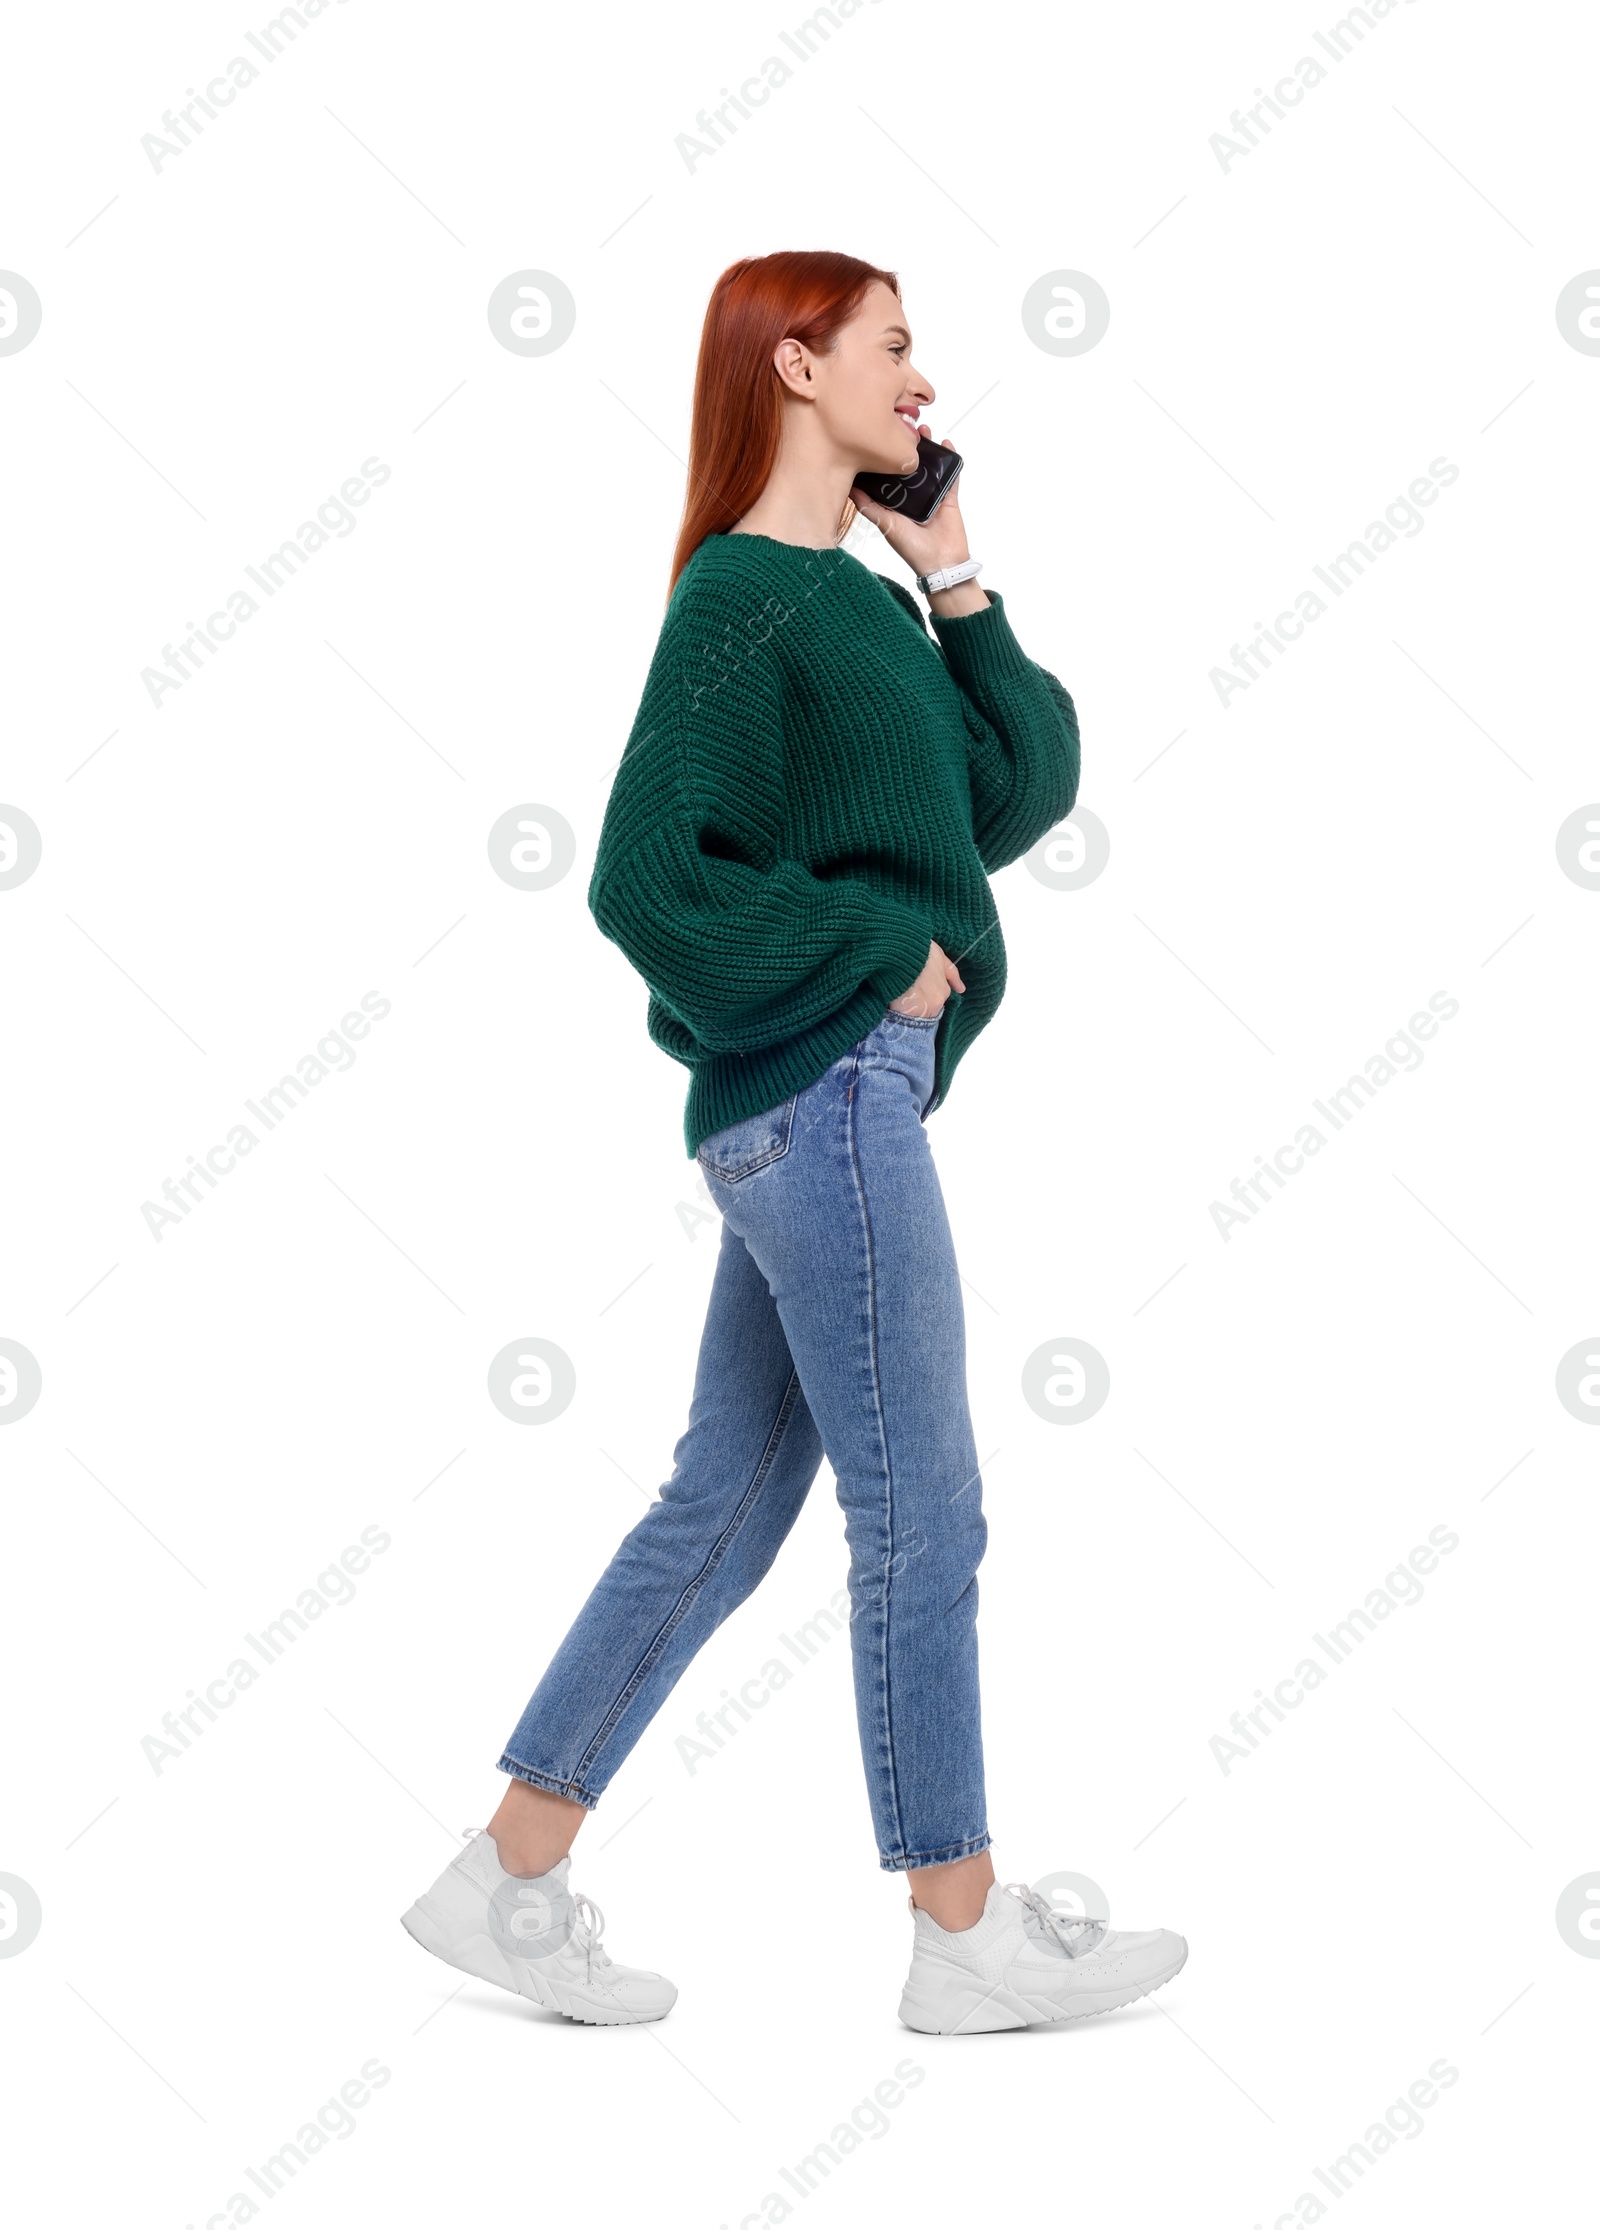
744,946
1022,730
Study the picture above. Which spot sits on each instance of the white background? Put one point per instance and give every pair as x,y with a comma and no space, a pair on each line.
1292,341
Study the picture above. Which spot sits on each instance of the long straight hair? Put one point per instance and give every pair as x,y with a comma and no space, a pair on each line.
802,294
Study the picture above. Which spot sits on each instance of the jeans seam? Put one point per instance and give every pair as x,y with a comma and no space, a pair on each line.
888,1473
786,1409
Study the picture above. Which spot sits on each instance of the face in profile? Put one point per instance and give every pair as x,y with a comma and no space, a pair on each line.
869,394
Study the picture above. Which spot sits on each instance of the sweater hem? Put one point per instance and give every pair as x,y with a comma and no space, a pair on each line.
728,1089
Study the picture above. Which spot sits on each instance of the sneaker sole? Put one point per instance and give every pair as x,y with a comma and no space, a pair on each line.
479,1957
971,2011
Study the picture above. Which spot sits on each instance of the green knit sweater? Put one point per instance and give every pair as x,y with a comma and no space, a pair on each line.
813,789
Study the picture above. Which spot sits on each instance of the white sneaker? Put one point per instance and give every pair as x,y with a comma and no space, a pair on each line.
532,1935
1024,1963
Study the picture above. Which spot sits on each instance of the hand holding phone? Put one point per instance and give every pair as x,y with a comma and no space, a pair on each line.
915,495
921,519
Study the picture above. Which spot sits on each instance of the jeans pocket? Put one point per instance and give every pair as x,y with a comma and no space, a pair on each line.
750,1144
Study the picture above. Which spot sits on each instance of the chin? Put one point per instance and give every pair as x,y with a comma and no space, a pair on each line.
901,463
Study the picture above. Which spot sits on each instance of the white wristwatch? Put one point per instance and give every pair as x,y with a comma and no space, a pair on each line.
947,577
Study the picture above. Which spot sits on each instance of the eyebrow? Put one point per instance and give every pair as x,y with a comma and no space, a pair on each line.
900,329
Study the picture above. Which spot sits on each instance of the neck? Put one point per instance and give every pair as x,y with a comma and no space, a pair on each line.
806,493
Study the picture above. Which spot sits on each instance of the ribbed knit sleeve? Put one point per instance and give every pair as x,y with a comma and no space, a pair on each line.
1022,727
744,946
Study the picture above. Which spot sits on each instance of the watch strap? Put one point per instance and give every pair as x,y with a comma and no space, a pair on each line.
947,576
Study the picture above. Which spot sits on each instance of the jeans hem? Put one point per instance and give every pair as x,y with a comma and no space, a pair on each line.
550,1781
947,1857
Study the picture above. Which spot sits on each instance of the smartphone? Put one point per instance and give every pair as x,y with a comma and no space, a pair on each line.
916,494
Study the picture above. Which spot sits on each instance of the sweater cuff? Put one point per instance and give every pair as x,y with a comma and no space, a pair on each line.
980,646
905,955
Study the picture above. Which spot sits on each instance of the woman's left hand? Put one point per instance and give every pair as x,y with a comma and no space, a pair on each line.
943,541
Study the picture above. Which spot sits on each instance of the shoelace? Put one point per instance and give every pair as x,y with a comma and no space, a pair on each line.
591,1920
1076,1933
588,1921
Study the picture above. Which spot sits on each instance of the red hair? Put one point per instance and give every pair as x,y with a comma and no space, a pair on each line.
800,294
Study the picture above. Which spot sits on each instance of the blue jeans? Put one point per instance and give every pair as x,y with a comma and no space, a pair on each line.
835,1325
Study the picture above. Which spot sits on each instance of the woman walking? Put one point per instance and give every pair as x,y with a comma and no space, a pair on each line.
795,857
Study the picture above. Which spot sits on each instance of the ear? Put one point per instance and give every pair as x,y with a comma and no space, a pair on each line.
788,361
